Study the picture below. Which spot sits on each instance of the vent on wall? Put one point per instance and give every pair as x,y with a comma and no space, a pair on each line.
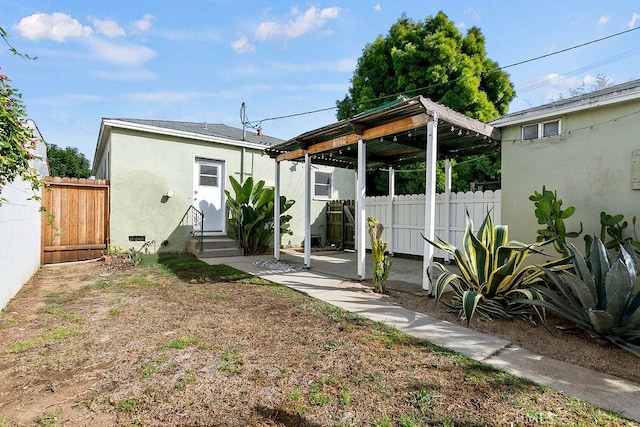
137,238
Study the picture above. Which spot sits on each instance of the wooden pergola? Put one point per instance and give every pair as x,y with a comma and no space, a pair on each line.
399,133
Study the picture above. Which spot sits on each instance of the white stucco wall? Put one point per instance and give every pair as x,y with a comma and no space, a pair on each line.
589,166
20,232
144,167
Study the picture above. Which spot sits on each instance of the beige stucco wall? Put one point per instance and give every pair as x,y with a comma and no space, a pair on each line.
589,166
145,167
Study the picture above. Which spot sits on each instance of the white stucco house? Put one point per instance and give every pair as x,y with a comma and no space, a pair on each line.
587,148
20,227
158,169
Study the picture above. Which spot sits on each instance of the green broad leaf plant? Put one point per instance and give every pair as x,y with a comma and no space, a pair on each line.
493,273
251,220
600,295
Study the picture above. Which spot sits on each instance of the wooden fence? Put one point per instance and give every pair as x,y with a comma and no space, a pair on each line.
406,215
75,225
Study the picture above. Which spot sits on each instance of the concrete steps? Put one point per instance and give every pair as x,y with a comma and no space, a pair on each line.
214,247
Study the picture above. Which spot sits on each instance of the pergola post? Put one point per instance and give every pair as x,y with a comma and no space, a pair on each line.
392,194
447,205
430,197
276,215
307,210
361,220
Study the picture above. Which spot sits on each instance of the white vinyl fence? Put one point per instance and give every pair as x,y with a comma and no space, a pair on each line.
407,213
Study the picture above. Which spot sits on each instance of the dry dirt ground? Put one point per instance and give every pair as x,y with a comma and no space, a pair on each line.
558,340
83,344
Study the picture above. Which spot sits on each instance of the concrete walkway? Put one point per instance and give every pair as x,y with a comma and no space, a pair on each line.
326,282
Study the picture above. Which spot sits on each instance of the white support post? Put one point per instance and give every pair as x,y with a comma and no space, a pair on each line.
276,215
360,209
392,194
307,210
447,205
430,198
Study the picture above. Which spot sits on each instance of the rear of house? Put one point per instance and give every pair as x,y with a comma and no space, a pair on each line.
158,169
586,148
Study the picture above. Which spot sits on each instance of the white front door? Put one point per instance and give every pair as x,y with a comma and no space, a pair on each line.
208,193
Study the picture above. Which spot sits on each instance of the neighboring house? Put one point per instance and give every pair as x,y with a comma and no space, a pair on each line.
157,169
587,148
21,228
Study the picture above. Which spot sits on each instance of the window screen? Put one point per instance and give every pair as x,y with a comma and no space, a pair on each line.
551,128
530,132
209,175
322,185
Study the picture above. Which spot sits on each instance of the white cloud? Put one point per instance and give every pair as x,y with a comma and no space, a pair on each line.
56,26
242,46
604,19
634,20
108,28
126,75
168,96
377,7
299,24
125,54
142,25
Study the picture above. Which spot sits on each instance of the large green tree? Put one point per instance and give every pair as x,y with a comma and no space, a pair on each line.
17,141
67,162
434,59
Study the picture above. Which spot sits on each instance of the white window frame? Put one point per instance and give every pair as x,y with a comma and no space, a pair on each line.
329,187
540,127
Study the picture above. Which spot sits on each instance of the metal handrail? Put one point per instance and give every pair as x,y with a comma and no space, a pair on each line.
197,216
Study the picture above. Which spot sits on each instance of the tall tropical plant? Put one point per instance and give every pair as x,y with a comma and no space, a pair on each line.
251,220
492,273
600,296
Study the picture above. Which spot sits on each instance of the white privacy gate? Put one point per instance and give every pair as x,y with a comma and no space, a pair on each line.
407,213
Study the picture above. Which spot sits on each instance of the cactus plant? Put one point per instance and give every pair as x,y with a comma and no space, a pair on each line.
600,297
381,260
549,212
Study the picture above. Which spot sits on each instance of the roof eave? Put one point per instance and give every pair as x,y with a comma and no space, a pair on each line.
181,134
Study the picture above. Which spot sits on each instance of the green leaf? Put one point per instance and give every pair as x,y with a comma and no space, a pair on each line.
470,301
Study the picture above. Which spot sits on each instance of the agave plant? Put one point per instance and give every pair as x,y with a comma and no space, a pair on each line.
599,296
493,273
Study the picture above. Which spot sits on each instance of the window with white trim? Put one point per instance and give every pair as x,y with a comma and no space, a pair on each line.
541,130
323,185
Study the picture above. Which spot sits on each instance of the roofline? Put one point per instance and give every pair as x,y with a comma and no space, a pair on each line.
601,98
123,124
172,132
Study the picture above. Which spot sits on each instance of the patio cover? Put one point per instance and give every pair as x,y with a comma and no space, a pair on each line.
402,132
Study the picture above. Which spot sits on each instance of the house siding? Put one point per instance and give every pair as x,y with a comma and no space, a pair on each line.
589,165
145,166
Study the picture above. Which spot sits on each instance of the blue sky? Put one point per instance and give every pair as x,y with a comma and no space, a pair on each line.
198,60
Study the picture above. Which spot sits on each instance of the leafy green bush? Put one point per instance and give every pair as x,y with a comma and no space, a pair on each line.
599,296
493,273
252,211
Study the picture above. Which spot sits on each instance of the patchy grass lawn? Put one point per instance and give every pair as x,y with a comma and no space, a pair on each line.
177,342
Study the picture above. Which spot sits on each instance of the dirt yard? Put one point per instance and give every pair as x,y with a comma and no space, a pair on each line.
165,344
